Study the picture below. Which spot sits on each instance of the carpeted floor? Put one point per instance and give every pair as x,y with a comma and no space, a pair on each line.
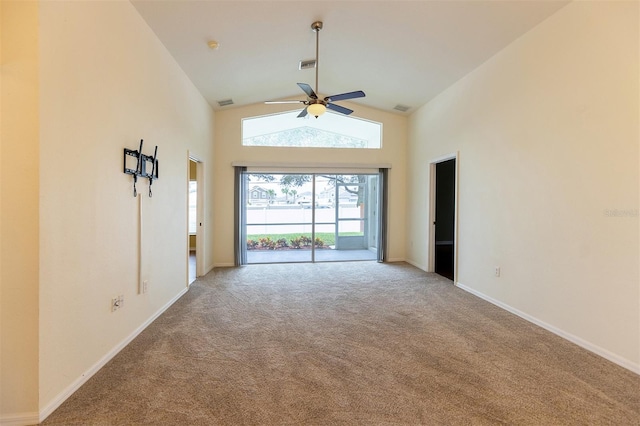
358,343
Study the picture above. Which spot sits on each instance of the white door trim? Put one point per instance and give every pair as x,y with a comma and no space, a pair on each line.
200,249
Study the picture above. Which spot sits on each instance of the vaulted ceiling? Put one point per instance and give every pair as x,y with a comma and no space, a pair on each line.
397,52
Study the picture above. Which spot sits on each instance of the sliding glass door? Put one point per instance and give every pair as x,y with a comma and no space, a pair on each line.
314,217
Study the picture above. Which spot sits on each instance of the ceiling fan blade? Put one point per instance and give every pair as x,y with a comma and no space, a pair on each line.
303,113
308,90
340,109
284,102
344,96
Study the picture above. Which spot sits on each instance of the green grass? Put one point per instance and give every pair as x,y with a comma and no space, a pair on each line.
328,238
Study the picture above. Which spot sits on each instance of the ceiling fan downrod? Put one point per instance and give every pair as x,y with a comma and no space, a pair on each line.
316,27
318,106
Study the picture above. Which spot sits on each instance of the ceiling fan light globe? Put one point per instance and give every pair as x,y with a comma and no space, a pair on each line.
316,109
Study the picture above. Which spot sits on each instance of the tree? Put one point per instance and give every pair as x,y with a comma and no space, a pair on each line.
289,181
294,180
272,194
259,177
293,193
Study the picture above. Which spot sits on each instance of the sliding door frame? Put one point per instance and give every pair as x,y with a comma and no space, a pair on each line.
240,193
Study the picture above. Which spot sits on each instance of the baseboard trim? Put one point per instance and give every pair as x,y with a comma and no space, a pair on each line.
19,419
66,393
417,265
223,265
622,362
208,269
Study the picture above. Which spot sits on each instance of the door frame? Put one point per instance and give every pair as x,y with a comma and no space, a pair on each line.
432,212
314,173
199,214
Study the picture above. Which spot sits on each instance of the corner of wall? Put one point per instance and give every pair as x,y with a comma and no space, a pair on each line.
19,212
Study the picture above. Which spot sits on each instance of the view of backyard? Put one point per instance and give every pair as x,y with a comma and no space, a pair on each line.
286,215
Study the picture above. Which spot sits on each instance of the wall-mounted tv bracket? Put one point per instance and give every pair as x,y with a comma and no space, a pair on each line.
141,166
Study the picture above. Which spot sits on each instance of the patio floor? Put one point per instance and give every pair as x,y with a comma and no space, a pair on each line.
322,255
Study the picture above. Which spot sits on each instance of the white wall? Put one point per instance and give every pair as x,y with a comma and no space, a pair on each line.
548,134
105,83
229,148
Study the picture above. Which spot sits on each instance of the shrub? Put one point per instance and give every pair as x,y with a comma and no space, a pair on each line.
306,241
267,243
303,241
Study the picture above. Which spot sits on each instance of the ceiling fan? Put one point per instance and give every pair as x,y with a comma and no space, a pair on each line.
315,106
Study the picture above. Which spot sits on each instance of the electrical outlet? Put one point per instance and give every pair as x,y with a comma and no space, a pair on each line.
145,286
117,302
497,272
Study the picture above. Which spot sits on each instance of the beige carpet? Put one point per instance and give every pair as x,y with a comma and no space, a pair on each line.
357,343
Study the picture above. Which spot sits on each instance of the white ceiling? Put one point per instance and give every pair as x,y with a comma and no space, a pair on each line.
397,52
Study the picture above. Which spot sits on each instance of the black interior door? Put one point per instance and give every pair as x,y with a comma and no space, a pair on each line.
445,217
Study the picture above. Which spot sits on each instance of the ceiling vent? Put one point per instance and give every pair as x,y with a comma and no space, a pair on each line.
401,108
225,102
308,64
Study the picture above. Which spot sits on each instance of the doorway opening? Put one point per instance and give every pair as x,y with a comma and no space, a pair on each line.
444,217
310,217
194,221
